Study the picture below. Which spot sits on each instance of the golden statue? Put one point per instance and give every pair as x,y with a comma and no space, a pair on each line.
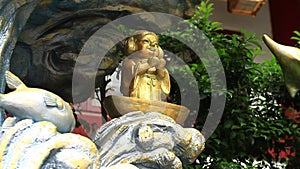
144,74
145,82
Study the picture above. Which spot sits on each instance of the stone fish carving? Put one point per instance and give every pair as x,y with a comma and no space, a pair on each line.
36,104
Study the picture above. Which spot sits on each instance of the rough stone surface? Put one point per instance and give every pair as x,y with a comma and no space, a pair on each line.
36,145
145,140
149,141
50,40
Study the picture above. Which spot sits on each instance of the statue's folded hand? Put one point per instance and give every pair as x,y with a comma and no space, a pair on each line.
153,61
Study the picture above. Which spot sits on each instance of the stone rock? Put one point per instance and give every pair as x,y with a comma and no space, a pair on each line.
39,145
149,140
50,40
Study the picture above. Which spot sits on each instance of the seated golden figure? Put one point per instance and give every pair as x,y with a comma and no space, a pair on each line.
145,82
144,74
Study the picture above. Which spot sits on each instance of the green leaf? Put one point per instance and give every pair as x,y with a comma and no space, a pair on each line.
297,33
255,43
235,127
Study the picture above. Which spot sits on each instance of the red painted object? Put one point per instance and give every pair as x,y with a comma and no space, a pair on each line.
80,130
295,115
89,115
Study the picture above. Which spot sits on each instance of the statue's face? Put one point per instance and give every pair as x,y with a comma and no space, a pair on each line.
147,47
148,42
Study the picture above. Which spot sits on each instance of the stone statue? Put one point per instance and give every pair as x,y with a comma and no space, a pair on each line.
148,140
38,145
143,73
136,140
36,104
145,139
289,60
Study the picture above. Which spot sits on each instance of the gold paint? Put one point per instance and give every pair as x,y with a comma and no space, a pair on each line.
46,2
123,166
145,133
289,60
67,140
144,80
81,163
187,139
60,103
86,151
13,82
9,134
143,73
20,147
117,106
145,137
1,21
77,160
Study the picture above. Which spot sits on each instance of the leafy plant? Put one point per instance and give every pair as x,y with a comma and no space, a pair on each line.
296,37
253,121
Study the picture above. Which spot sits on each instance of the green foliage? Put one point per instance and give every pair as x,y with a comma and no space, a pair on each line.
296,37
253,120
